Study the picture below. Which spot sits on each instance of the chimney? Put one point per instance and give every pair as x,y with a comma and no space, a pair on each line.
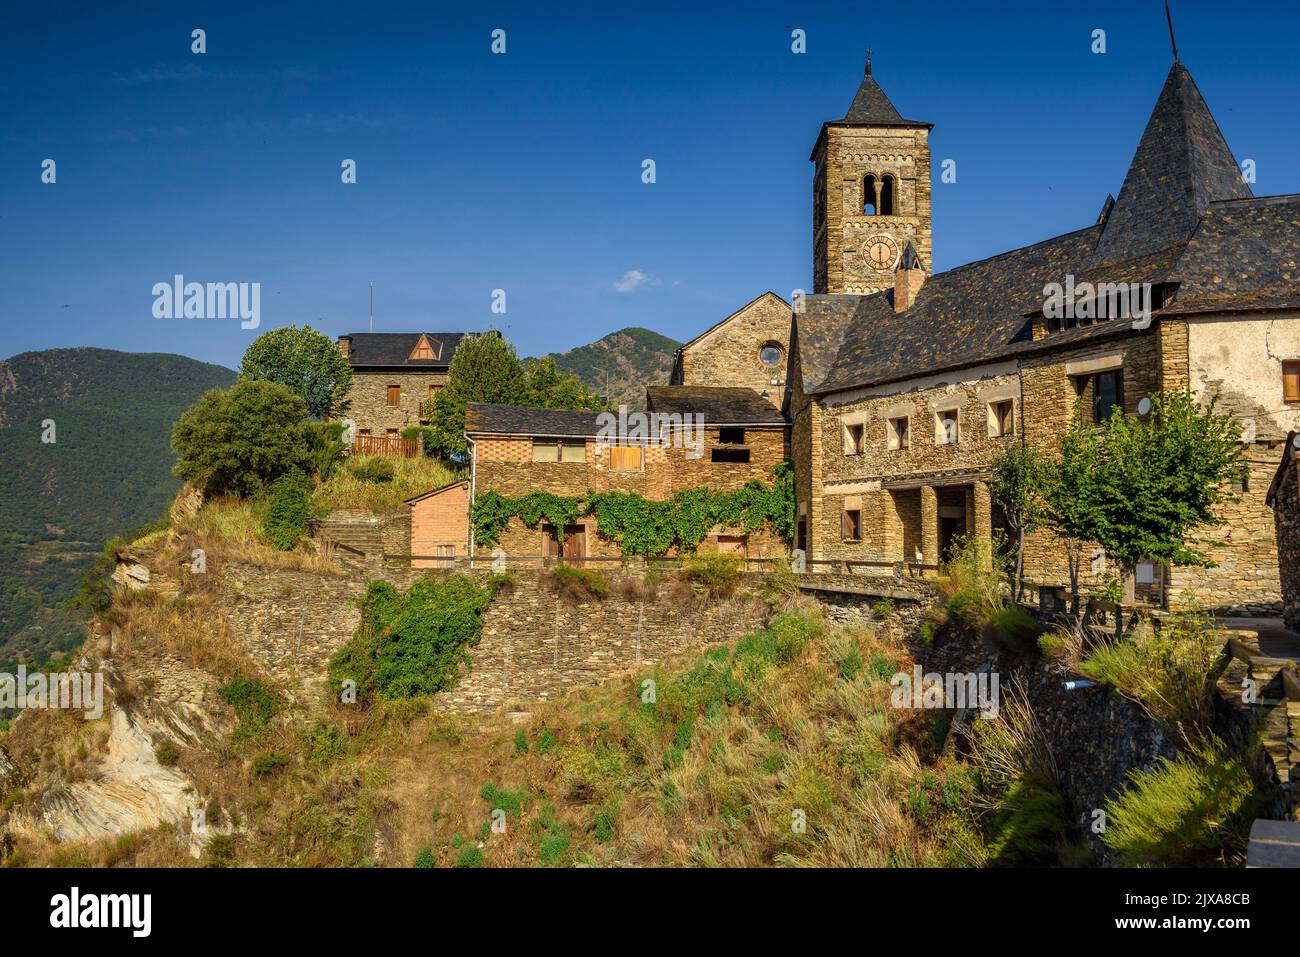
908,278
345,346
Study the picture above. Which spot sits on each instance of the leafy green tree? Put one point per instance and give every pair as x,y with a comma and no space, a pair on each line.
1143,487
1017,485
242,439
485,368
305,361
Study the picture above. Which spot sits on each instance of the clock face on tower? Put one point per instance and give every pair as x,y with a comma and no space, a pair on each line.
880,252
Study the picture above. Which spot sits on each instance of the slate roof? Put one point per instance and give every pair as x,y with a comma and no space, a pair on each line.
1182,164
872,107
392,349
720,405
489,418
1183,216
1244,255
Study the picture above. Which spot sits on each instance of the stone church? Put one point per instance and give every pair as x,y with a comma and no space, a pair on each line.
902,385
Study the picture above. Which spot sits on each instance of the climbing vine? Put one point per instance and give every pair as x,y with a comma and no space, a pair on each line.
644,527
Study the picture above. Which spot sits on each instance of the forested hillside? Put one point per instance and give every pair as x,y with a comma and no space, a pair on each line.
84,454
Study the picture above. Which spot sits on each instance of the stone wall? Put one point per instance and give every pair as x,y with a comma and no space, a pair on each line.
1286,517
534,644
728,354
369,407
289,622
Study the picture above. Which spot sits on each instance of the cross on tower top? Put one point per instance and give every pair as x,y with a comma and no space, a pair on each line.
868,71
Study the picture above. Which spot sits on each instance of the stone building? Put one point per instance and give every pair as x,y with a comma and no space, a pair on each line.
747,349
515,450
1284,498
393,375
903,386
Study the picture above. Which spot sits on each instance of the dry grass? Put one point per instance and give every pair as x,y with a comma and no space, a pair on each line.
411,477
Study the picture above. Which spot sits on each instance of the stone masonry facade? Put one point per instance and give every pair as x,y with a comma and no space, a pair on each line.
370,409
732,353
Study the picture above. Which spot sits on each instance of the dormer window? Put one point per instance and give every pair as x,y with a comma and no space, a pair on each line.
424,349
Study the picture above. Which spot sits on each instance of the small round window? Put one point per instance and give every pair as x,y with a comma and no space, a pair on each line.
770,355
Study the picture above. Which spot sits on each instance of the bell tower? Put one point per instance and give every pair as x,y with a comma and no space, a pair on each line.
871,194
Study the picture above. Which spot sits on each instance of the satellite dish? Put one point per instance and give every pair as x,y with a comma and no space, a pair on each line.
1144,406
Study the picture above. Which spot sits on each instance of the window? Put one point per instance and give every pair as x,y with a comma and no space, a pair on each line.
869,198
554,450
729,455
432,389
1242,485
1144,573
1107,394
896,436
851,525
394,394
947,428
770,354
1002,418
853,439
363,432
1291,381
887,195
731,436
625,458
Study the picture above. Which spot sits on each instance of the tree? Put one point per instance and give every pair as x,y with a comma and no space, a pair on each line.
305,361
1017,485
1142,487
485,368
242,439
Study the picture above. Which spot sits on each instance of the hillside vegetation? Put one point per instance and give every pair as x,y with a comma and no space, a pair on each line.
107,470
620,365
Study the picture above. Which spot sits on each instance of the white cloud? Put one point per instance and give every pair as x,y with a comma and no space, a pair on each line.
633,280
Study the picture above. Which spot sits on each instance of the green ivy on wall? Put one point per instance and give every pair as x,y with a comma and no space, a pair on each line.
644,527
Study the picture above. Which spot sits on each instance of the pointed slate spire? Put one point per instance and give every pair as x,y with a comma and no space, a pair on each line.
909,259
871,105
1182,164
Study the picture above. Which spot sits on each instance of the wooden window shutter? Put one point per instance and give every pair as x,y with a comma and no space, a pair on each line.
1291,381
846,525
624,458
394,394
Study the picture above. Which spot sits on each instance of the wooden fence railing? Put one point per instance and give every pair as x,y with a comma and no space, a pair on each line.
393,445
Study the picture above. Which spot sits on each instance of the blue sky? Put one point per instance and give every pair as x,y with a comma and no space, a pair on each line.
523,172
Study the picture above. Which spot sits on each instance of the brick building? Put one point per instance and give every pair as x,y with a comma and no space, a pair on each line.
439,525
515,450
903,386
393,375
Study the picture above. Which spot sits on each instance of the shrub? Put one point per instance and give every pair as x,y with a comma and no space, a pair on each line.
883,610
242,439
412,645
255,704
554,846
575,583
470,856
286,517
546,741
374,469
1167,671
167,753
514,803
269,763
424,857
325,445
521,742
604,827
718,573
1193,810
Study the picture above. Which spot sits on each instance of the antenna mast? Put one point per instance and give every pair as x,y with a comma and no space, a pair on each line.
1170,20
372,307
